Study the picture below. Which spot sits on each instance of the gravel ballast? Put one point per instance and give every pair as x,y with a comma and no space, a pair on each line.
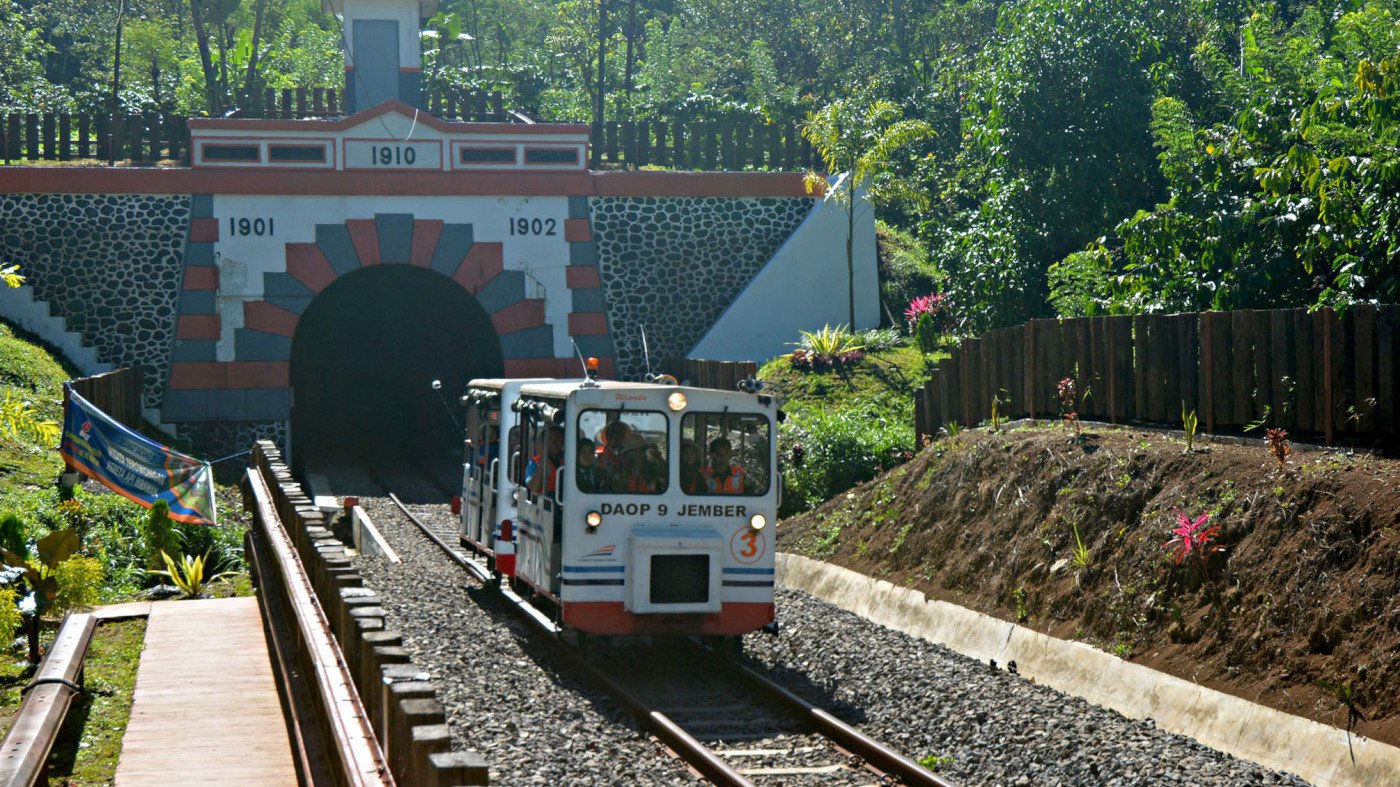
508,699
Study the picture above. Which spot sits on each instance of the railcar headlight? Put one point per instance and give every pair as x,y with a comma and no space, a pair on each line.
594,519
758,521
676,401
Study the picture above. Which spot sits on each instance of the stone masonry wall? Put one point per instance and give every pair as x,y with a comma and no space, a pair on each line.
110,265
672,265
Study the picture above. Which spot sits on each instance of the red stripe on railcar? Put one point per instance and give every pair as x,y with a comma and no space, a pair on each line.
612,618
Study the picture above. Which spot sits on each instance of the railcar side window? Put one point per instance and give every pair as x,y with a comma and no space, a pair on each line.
724,454
543,454
629,450
483,432
513,457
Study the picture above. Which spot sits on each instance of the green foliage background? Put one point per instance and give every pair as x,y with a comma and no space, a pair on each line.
1084,156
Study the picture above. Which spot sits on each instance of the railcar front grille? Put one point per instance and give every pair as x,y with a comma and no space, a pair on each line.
680,579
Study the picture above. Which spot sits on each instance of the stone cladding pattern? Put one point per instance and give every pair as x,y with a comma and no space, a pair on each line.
218,439
110,265
672,265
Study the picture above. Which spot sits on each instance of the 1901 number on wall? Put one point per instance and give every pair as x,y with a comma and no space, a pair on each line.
243,226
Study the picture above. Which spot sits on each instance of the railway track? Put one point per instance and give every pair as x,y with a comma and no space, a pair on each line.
730,724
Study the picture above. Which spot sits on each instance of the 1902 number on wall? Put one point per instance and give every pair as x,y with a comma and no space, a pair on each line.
259,227
523,226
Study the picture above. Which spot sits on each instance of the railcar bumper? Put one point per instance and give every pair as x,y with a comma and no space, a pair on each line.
613,619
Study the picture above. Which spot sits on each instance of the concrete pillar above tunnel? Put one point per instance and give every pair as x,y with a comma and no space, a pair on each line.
363,358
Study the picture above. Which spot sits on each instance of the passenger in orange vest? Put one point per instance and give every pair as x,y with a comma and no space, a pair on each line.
612,444
539,474
722,477
638,476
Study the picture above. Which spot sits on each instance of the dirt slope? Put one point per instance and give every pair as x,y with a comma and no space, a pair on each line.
1307,589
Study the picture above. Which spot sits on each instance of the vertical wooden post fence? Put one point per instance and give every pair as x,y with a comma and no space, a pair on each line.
1321,375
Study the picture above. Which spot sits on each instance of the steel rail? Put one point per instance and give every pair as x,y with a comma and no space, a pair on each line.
858,743
701,757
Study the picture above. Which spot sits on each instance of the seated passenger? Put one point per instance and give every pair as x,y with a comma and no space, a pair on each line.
722,477
692,482
613,441
590,476
539,474
639,475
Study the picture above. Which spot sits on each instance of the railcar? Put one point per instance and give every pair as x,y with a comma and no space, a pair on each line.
645,509
488,494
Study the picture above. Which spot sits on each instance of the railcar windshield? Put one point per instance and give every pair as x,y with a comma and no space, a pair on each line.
622,451
725,454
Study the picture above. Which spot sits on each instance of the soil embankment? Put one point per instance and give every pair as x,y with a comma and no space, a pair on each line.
1067,536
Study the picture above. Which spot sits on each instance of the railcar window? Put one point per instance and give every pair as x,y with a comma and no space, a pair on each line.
483,432
630,452
513,457
725,454
543,454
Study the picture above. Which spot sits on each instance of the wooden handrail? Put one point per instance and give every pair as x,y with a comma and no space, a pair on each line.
24,753
354,748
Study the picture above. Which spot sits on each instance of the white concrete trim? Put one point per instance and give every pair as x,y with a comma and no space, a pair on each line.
1316,752
19,307
368,538
802,287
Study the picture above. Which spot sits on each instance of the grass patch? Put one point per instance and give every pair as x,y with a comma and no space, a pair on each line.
891,376
32,373
91,740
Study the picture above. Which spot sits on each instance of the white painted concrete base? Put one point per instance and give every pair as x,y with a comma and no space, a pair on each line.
18,306
1316,752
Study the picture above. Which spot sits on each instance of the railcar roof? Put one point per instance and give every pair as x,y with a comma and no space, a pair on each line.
562,388
500,382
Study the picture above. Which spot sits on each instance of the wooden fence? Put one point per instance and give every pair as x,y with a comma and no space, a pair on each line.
152,137
703,146
116,393
723,375
1323,374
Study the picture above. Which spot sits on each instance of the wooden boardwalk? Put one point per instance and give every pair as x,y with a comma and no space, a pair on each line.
206,709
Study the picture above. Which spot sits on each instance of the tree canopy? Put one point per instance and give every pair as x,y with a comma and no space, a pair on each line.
1083,156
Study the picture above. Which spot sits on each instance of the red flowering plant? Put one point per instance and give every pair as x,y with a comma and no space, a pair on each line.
1066,393
929,317
935,304
1192,537
1278,446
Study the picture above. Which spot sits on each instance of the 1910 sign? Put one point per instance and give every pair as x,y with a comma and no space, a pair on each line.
391,154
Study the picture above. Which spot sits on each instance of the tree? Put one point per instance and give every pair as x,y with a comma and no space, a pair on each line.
864,142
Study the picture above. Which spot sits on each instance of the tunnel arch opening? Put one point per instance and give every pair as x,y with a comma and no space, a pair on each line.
364,356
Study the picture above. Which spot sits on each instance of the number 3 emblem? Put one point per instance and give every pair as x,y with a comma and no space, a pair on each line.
748,545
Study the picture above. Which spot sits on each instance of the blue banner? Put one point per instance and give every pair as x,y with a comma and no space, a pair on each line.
134,466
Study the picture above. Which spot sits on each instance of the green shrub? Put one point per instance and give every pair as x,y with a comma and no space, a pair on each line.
926,333
830,451
79,584
878,340
12,535
10,616
222,545
161,535
906,271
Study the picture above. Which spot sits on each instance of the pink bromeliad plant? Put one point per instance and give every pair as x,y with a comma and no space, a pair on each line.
1192,537
935,304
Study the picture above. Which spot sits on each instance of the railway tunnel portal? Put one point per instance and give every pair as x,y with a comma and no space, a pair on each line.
364,356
